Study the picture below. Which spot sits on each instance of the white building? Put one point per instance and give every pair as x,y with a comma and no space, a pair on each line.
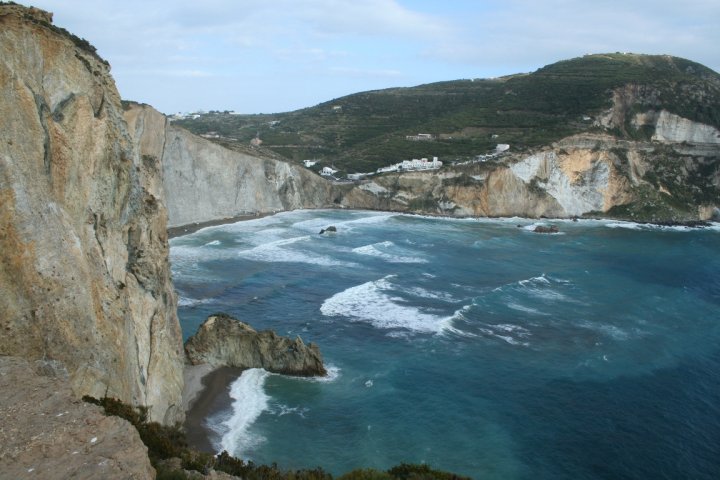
420,137
502,147
412,165
309,163
328,172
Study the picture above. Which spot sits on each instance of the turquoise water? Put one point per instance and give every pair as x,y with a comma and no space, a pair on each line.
476,346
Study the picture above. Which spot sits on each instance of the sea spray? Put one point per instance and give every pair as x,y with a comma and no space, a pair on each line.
249,402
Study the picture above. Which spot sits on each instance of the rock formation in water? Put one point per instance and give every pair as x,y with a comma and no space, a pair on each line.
84,274
47,433
224,341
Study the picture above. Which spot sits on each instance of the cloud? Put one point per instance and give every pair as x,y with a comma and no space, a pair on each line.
252,55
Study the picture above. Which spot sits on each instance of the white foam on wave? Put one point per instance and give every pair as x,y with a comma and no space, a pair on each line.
542,287
424,293
524,309
378,250
191,302
370,302
212,244
534,280
667,228
333,373
249,402
275,252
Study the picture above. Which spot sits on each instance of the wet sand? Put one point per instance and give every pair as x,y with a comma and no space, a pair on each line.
214,397
194,227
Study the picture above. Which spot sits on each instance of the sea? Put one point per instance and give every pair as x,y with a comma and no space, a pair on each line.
473,345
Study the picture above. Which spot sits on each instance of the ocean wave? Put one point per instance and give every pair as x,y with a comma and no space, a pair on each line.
249,402
212,244
191,302
371,303
333,373
378,250
524,309
715,227
274,252
424,293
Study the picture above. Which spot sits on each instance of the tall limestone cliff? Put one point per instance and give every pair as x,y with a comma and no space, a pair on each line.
84,276
205,181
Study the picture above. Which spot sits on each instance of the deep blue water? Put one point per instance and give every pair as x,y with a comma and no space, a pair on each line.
473,345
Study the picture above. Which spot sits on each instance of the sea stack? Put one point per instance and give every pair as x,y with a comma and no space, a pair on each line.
225,341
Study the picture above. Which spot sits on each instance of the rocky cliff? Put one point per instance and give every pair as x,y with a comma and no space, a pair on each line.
674,175
84,275
224,341
205,181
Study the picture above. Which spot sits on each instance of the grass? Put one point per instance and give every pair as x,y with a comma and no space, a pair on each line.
525,111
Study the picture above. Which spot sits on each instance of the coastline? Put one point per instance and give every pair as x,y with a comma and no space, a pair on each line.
208,392
181,230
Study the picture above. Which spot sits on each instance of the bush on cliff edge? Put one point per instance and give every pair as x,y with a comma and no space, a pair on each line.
166,443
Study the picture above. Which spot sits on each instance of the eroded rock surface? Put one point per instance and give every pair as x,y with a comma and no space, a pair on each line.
84,272
224,341
45,432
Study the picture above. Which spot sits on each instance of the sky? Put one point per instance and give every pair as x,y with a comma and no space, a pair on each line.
268,56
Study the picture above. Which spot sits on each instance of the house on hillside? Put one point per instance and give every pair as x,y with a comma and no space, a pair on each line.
328,171
420,137
309,163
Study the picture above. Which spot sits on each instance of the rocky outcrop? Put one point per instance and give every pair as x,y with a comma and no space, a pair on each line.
205,181
84,273
224,341
594,174
48,433
546,229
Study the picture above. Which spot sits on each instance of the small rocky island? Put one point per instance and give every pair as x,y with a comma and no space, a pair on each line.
225,341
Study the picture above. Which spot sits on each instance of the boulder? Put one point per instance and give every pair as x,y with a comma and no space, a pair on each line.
546,229
330,229
225,341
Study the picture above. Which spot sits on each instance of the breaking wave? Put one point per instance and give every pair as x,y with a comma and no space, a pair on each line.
372,302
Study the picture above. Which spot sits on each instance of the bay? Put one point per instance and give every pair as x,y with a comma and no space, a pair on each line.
474,345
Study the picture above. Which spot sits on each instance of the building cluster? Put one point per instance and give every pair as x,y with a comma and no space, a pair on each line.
412,165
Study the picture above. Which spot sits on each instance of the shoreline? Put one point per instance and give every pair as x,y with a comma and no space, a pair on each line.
183,230
208,394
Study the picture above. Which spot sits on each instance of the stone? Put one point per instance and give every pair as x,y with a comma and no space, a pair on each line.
546,229
48,433
330,229
225,341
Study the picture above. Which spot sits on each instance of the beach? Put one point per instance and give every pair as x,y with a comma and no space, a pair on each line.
194,227
206,393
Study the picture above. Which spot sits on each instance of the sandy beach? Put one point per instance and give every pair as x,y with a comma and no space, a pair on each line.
207,391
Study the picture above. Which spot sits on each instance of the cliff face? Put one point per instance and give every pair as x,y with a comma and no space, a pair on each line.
204,181
673,175
84,275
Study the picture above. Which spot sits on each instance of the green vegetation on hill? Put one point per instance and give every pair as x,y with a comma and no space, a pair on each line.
363,131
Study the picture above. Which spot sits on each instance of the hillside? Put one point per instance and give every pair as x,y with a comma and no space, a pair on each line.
364,131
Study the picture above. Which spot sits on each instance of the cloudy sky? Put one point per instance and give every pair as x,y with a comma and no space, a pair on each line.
256,56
